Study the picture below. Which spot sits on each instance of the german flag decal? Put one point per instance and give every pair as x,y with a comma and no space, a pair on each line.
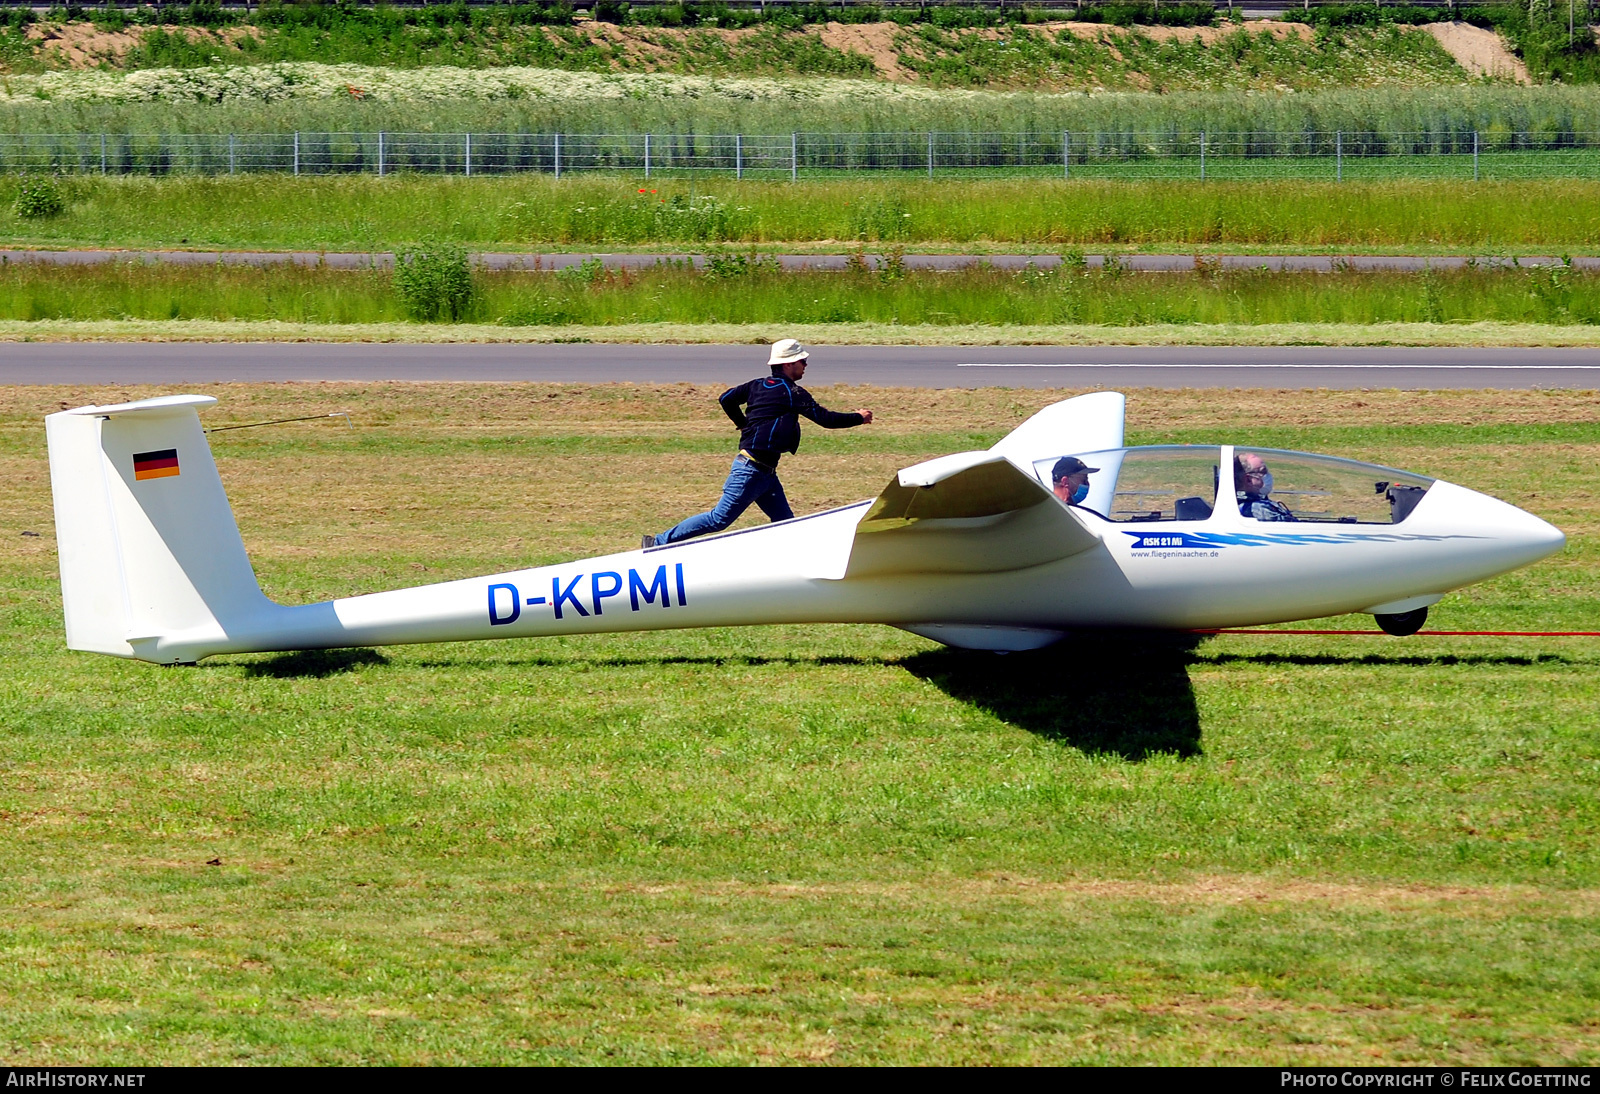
155,465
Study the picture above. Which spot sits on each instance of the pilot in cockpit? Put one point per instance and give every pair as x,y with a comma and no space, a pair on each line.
1070,479
1252,483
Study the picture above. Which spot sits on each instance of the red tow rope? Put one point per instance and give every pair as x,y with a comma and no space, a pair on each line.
1419,634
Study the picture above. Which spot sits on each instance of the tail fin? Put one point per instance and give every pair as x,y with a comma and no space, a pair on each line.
1088,423
151,559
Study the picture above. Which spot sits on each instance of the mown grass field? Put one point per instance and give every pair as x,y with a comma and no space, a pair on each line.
817,844
744,291
366,213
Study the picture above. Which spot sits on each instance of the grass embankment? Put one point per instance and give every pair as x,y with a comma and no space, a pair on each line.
1264,58
824,843
1055,56
740,291
364,213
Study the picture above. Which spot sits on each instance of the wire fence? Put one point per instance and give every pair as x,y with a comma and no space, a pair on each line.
1500,153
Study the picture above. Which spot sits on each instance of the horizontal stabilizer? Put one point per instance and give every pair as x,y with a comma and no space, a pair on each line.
974,512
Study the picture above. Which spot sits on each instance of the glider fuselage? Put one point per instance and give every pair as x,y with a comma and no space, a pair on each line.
973,550
1221,572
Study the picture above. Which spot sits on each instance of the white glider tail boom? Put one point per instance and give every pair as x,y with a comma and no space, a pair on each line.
972,550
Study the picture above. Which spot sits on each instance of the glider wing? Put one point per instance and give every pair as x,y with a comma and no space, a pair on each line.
974,512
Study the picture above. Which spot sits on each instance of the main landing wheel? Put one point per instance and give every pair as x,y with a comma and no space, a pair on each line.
1404,624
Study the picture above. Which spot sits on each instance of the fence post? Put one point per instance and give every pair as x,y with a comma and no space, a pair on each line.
468,158
1202,157
297,151
647,157
102,153
1474,155
930,155
1066,155
1338,156
738,156
558,155
794,157
380,153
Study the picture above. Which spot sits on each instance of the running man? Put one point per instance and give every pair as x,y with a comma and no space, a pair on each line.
767,411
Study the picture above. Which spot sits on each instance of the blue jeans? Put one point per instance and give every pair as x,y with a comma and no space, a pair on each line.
748,482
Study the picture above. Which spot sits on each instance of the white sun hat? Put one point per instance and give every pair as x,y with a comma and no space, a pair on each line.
786,351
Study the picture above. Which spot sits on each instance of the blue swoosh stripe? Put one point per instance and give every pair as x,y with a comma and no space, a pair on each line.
1298,539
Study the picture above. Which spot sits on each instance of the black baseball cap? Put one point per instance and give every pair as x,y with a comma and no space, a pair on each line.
1069,465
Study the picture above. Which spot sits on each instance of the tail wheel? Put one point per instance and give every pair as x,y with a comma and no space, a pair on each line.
1403,624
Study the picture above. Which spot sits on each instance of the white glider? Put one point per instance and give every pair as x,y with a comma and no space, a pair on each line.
972,550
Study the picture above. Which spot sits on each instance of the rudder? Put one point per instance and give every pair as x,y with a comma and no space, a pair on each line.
1086,423
151,558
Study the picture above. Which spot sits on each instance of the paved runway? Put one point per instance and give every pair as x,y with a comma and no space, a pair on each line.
182,363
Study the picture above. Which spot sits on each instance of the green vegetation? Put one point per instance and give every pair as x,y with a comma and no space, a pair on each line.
1555,44
700,333
37,198
1355,45
791,843
1025,58
1028,57
425,101
1049,57
1554,40
432,283
1478,333
771,50
691,13
364,213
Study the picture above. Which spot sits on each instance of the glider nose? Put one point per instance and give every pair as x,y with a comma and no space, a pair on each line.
1507,537
1520,534
1552,537
1538,538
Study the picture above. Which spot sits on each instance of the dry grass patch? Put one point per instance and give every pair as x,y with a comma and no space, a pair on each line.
1194,892
84,45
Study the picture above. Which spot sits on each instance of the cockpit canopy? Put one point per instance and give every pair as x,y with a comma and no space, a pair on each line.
1180,483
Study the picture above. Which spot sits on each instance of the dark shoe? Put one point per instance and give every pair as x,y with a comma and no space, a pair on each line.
647,541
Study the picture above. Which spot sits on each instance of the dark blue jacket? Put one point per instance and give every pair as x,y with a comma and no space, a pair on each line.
1254,505
770,424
